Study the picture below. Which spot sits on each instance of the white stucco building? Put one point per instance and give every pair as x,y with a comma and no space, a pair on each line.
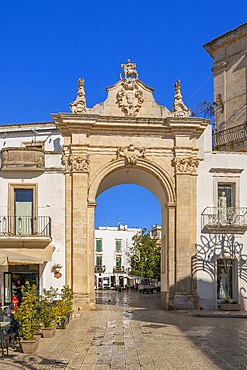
112,245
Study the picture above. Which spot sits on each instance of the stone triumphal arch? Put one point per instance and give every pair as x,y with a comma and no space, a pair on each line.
130,139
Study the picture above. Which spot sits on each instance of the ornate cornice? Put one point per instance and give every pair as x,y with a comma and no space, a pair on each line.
185,165
75,163
130,154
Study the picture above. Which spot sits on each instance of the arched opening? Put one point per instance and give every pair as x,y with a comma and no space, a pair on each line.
158,183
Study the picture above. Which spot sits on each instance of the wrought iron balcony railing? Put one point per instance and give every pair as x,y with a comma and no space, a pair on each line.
228,219
99,268
230,135
25,226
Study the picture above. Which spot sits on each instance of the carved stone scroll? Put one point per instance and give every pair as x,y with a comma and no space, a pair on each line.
185,165
130,154
79,105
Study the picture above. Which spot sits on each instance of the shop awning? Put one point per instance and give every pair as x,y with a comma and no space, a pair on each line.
25,255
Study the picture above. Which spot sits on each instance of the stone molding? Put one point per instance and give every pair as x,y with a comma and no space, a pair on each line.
79,105
185,165
130,154
75,163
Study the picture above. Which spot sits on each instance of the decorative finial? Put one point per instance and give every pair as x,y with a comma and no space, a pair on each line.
79,105
129,70
179,109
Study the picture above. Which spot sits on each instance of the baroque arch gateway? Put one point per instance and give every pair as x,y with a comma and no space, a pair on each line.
129,138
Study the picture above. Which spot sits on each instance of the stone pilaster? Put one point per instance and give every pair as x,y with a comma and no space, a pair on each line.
186,190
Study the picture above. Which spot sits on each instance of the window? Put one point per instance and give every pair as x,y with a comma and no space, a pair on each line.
23,209
99,245
98,260
118,243
118,261
226,195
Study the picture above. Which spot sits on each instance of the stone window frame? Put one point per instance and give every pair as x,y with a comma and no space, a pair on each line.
226,176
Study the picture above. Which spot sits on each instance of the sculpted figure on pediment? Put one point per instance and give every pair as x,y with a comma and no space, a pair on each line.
129,70
79,105
130,154
179,109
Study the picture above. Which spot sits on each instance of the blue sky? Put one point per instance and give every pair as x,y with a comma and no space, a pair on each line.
46,46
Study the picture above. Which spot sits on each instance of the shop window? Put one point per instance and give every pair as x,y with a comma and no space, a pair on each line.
118,243
99,245
226,278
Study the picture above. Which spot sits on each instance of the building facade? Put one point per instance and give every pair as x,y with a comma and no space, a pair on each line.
52,173
112,247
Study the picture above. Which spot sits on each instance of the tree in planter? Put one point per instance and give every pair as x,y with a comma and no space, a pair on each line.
27,313
144,256
63,306
47,307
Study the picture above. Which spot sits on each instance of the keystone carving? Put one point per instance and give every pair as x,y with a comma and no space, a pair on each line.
79,105
185,165
130,154
179,109
75,163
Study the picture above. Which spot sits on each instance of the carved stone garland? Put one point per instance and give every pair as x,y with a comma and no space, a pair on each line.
130,154
185,165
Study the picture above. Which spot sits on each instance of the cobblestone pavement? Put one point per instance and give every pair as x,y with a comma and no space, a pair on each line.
131,331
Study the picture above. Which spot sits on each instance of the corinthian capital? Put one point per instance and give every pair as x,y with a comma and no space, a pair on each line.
75,163
185,165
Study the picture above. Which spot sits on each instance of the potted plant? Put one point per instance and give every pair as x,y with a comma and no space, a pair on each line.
28,318
47,311
228,304
64,307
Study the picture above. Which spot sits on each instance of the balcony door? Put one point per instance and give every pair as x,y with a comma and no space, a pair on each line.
23,209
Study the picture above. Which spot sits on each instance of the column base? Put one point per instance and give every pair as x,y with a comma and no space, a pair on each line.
186,301
82,302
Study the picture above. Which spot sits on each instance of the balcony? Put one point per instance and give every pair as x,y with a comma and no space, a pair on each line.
99,269
25,231
23,159
231,220
233,138
118,269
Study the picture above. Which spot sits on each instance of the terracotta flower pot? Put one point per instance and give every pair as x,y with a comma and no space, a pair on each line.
29,346
48,332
